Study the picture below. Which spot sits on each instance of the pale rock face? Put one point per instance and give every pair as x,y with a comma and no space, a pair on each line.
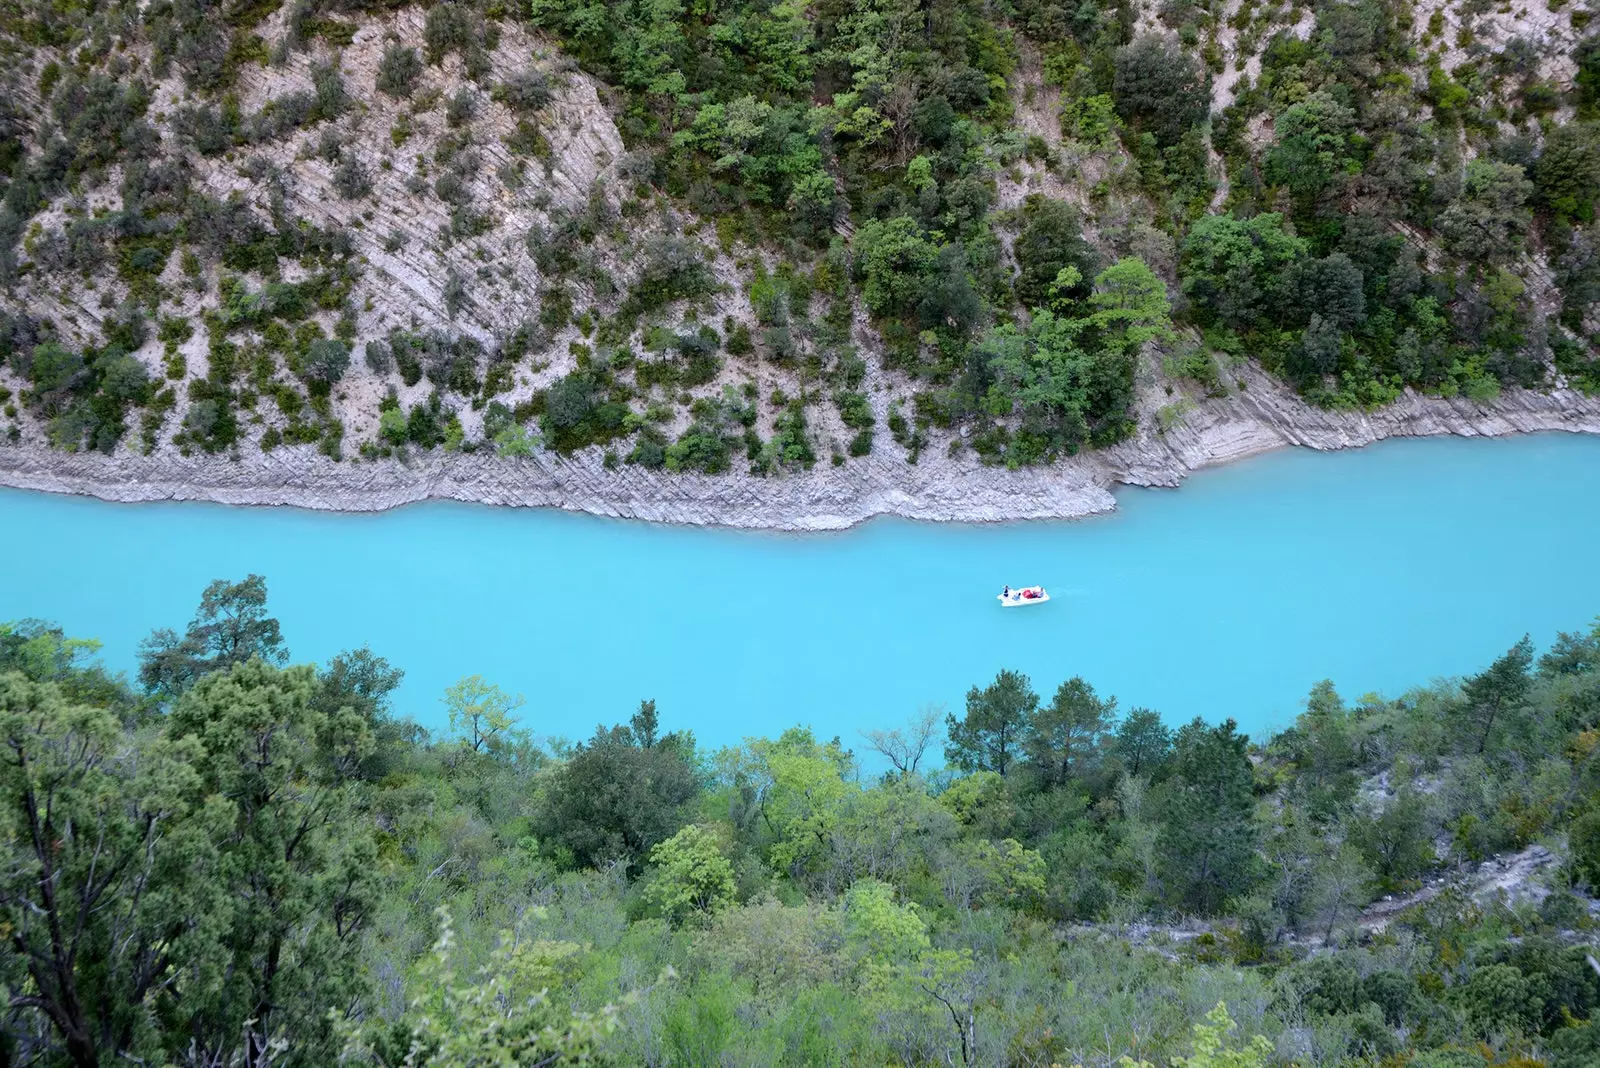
398,232
1259,418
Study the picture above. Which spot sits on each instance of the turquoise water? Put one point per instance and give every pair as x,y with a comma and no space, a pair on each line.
1378,568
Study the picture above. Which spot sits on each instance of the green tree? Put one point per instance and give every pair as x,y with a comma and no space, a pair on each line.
989,737
289,869
1236,272
1322,745
1208,832
1330,288
1492,703
616,797
1573,653
1065,739
1142,742
1396,842
1567,173
230,627
894,260
1159,89
1585,840
692,877
1489,221
90,908
325,361
480,713
1312,147
1051,239
1497,1001
1071,378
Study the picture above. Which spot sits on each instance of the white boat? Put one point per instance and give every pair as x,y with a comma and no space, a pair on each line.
1015,597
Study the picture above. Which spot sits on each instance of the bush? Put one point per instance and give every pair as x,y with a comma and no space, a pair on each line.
673,268
1050,241
1158,88
325,361
398,71
350,179
526,90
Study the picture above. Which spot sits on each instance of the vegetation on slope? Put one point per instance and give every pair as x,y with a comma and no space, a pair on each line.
241,862
1043,212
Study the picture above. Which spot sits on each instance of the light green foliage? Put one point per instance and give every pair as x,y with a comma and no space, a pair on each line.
392,426
481,713
692,875
506,1014
262,859
515,441
1214,1045
1091,120
893,259
1236,271
803,801
1313,144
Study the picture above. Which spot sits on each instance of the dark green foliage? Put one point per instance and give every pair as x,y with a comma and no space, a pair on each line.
1493,702
1158,89
620,793
990,736
1566,175
1142,743
1066,738
1490,220
1209,839
1051,239
230,627
325,361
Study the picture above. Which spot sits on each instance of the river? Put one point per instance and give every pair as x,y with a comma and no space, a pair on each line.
1378,568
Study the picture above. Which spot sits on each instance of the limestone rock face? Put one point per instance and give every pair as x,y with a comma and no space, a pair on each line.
1261,417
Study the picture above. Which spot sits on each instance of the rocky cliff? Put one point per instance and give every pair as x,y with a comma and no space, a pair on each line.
1256,418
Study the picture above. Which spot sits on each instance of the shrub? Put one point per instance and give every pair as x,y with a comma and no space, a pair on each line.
325,361
1158,88
673,268
398,71
526,90
350,179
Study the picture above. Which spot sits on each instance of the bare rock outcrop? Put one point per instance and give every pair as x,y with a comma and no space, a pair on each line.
1257,418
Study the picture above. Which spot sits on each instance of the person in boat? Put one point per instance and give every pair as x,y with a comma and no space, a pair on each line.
1006,592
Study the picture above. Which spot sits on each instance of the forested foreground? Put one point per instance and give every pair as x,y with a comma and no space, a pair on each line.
235,861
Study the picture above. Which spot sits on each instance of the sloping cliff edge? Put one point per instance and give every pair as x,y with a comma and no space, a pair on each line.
1254,420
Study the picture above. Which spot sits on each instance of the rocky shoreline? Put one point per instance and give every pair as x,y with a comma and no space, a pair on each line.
1255,419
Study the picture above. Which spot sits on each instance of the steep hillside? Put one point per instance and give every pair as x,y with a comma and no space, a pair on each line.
768,238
